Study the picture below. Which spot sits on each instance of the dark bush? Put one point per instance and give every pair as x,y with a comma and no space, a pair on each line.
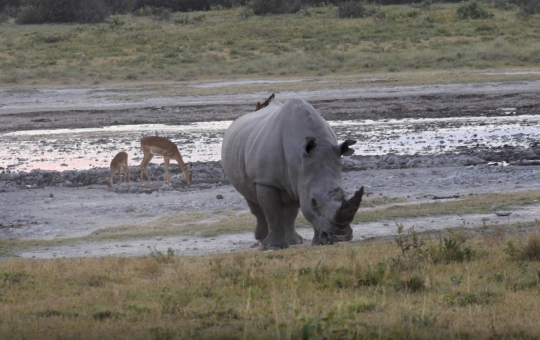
175,6
63,11
10,3
90,11
9,9
528,251
264,7
163,14
527,7
121,6
471,10
29,15
351,10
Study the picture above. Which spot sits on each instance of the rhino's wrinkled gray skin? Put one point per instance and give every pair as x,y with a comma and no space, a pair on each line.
285,157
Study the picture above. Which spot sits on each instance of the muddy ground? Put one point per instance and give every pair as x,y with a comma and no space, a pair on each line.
51,204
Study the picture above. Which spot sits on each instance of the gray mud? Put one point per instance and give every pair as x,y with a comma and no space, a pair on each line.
50,204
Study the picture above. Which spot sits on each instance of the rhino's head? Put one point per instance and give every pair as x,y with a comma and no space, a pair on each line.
322,198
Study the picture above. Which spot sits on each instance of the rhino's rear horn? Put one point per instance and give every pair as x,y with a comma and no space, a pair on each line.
345,213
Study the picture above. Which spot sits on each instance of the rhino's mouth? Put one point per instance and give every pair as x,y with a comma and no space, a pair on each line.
330,238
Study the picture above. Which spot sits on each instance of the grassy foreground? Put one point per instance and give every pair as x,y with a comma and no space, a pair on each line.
229,44
462,284
452,287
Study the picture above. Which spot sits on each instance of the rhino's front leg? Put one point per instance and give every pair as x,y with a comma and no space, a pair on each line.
280,218
261,229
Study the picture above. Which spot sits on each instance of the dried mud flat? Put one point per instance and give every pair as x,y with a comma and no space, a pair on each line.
38,206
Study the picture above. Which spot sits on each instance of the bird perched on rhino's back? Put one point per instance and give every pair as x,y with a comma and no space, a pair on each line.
286,157
265,103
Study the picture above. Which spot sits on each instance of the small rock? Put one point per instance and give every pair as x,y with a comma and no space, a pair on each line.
503,213
219,197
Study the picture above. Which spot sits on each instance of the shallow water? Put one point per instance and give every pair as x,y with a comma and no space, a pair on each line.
70,149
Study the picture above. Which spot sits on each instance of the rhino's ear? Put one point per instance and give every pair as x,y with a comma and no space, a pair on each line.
310,145
344,149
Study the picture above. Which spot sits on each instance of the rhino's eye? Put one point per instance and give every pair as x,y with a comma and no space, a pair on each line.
310,145
314,205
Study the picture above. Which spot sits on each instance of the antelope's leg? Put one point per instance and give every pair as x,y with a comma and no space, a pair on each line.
127,173
144,166
166,161
120,173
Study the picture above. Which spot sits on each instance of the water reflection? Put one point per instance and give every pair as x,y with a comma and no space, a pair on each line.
68,149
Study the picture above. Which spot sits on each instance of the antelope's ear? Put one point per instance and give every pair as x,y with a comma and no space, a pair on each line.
344,149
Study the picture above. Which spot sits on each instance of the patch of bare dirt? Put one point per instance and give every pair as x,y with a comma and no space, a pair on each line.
62,210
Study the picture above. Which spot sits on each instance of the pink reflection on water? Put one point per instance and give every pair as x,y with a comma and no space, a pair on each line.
81,149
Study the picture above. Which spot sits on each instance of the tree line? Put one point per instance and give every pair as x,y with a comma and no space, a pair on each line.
92,11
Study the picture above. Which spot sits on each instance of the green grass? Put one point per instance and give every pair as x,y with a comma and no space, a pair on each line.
473,204
357,291
226,45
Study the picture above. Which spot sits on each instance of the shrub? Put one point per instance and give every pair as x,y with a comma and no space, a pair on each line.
527,7
410,282
63,11
374,275
451,249
121,6
9,278
9,9
264,7
530,251
351,9
471,10
162,14
411,243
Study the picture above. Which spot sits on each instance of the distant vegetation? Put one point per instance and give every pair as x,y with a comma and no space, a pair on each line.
89,11
155,43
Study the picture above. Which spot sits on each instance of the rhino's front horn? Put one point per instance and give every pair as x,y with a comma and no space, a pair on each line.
345,213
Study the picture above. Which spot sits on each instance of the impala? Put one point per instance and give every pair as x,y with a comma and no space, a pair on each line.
118,162
152,146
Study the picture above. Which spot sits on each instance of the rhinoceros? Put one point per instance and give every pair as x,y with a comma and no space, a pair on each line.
286,157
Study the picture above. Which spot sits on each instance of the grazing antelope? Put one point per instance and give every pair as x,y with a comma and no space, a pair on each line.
119,161
265,104
154,145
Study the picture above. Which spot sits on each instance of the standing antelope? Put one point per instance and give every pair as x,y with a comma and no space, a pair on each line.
152,146
119,161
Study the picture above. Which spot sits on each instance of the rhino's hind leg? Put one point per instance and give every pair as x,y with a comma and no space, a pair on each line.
280,219
297,239
261,229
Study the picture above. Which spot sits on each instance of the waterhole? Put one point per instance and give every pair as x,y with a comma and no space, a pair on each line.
78,149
